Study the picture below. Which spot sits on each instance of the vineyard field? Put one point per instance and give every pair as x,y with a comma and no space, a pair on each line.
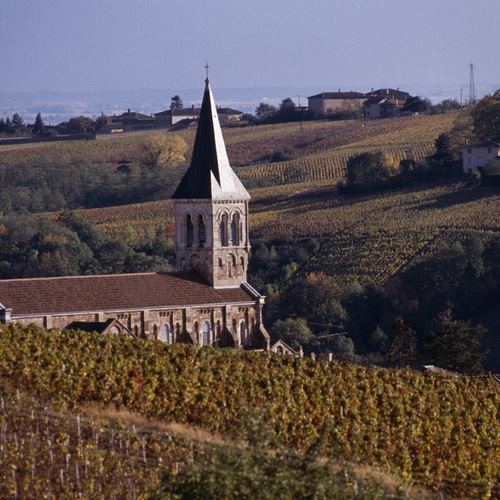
432,430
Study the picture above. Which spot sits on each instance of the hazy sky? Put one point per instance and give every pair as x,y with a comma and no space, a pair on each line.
144,44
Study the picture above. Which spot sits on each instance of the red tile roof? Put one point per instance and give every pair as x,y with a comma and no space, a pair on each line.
113,292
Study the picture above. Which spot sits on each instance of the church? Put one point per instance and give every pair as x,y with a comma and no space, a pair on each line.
207,301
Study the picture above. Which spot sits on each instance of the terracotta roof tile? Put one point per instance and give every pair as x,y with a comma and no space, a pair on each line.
113,292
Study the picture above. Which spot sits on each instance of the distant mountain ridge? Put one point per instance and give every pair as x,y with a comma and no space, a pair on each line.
57,106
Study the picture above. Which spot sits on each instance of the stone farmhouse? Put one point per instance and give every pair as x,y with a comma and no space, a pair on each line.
175,116
127,122
476,155
206,301
333,102
379,103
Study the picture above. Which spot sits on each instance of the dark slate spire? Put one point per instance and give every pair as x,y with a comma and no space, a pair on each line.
210,175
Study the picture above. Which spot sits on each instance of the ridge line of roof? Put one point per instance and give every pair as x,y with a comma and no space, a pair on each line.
48,278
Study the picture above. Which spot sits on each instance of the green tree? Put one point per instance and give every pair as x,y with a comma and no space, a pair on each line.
18,124
315,296
369,171
294,332
403,349
417,104
78,125
446,106
265,111
343,348
454,344
287,111
160,150
445,156
9,129
39,126
176,103
486,118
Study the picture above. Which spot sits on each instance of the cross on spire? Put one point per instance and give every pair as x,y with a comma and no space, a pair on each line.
206,66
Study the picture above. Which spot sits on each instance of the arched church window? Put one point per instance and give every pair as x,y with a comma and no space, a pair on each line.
202,235
234,230
219,332
197,332
165,333
222,230
189,231
206,333
243,333
242,263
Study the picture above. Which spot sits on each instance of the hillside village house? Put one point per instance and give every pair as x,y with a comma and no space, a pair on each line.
174,116
206,301
126,122
379,103
476,155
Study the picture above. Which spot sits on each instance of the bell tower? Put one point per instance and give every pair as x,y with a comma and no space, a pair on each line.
211,208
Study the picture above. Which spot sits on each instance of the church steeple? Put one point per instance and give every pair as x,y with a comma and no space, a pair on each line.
210,175
211,208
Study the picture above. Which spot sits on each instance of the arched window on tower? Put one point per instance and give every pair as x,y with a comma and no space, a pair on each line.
222,230
234,230
202,234
189,232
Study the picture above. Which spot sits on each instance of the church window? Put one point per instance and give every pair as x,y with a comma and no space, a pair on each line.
234,230
197,332
242,263
165,333
206,333
202,235
244,338
189,231
222,230
178,332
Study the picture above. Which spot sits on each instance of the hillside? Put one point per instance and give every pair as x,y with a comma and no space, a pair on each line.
397,239
424,428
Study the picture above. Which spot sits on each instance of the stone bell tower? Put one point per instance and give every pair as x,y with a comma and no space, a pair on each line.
211,208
